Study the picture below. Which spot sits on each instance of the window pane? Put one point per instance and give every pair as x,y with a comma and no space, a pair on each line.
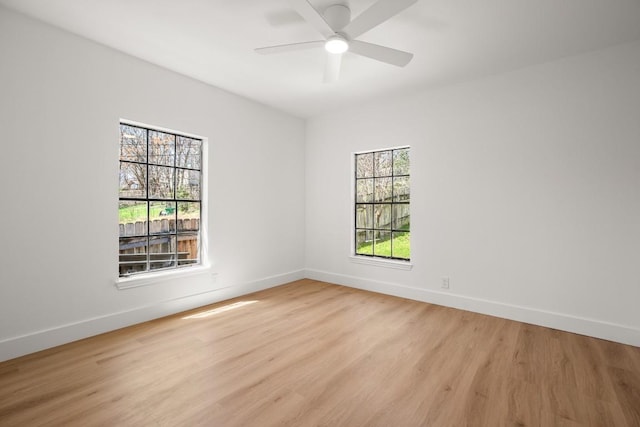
401,217
364,242
160,182
382,243
382,216
161,148
133,143
383,188
162,251
364,190
162,226
162,210
401,245
133,245
133,255
188,153
364,165
401,189
188,248
401,162
188,216
364,216
383,161
133,178
132,218
188,185
163,217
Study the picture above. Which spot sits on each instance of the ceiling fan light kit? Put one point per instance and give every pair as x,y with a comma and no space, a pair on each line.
340,33
336,44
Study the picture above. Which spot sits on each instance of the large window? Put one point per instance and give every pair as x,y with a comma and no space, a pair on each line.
382,196
160,201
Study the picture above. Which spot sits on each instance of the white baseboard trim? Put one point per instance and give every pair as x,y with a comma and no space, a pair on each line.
579,325
30,343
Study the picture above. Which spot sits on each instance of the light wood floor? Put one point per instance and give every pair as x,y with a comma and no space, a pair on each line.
313,354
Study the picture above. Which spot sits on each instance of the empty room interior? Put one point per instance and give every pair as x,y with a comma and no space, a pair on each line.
320,213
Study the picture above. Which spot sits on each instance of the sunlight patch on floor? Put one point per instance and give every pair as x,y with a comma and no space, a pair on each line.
219,310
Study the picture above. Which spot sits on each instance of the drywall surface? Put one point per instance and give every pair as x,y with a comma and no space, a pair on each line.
61,99
524,193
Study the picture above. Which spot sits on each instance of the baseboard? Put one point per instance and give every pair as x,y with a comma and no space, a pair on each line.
30,343
579,325
18,346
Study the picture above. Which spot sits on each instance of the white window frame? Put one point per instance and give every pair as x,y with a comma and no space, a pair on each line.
370,260
204,267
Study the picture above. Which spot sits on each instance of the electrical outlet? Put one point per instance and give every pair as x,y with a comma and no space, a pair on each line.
445,283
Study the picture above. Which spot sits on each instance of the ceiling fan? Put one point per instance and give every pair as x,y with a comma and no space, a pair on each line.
340,33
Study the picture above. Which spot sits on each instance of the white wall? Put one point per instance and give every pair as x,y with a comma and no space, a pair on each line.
61,98
525,192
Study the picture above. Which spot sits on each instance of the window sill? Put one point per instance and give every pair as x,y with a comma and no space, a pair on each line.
147,279
379,262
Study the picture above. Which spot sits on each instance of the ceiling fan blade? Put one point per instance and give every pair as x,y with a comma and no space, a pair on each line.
375,15
312,16
380,53
289,47
332,68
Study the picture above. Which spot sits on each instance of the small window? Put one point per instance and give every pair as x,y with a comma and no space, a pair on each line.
160,202
382,197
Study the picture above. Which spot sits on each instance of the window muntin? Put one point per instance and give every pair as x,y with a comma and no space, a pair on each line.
382,204
160,200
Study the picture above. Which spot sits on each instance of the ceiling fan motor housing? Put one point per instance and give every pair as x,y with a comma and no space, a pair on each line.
337,16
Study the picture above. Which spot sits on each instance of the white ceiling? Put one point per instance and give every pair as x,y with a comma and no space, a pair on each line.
213,41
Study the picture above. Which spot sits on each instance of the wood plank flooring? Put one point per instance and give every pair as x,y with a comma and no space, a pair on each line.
314,354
